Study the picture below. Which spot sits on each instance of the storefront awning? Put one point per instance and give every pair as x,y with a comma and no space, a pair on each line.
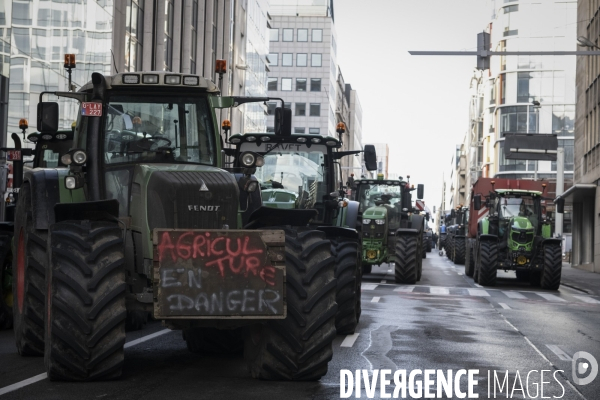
577,192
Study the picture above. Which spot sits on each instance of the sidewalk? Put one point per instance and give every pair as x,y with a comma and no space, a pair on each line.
588,282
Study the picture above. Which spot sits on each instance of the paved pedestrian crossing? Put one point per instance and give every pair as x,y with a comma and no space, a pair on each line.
479,292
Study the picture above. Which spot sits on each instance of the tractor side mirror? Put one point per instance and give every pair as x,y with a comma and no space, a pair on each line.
477,202
560,206
283,121
47,117
370,157
420,190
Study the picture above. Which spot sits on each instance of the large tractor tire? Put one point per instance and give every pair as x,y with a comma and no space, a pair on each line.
6,296
488,261
469,262
348,264
476,261
428,246
449,247
367,268
299,347
29,274
552,267
408,256
85,320
459,250
213,340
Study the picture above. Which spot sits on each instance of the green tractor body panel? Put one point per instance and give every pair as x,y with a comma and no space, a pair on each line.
546,231
485,226
521,234
374,235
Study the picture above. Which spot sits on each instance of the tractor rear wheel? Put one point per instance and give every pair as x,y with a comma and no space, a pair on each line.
85,319
552,267
469,259
29,274
488,260
213,340
348,264
408,256
459,251
6,297
299,347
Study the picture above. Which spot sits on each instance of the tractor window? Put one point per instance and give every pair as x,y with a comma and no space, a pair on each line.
48,153
371,195
177,130
517,207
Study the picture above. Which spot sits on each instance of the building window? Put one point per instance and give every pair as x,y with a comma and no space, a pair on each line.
301,59
317,35
315,60
314,131
301,109
315,109
315,84
272,84
333,45
287,105
514,120
568,146
563,120
301,84
271,107
509,32
274,35
299,130
273,59
510,9
168,55
288,35
286,84
287,59
302,35
270,129
509,165
134,32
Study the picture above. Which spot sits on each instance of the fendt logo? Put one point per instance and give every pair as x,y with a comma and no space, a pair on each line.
579,368
195,207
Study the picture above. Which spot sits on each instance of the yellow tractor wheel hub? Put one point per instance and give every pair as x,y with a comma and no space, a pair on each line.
371,254
521,260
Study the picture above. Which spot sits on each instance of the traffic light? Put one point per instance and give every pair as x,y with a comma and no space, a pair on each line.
483,48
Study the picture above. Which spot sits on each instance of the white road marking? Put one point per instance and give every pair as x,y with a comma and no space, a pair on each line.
383,281
460,273
550,297
369,286
447,272
145,338
478,285
559,352
514,295
587,299
375,300
439,290
349,340
43,376
477,292
406,289
24,383
506,307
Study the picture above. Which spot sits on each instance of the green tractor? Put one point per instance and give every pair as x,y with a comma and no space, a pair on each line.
146,218
391,229
300,174
46,154
516,236
456,234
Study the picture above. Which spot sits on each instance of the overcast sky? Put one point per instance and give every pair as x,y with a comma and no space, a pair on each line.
419,105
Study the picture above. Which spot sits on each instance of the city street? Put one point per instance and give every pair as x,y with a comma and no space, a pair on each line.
443,322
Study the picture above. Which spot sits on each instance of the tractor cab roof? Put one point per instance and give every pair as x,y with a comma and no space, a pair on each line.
155,79
518,192
389,182
271,137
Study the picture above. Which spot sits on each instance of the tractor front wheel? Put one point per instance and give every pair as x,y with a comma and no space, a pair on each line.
488,260
299,347
459,251
469,259
348,264
6,296
408,256
85,319
552,267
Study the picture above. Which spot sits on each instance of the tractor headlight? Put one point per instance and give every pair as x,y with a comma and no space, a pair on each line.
70,182
66,159
380,221
366,221
247,159
259,161
79,157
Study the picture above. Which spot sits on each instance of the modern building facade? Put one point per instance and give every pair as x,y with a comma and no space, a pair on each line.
585,194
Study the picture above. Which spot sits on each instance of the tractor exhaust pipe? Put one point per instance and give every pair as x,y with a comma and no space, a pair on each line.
94,181
17,166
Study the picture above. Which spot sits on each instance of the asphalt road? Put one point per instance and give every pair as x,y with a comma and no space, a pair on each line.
444,322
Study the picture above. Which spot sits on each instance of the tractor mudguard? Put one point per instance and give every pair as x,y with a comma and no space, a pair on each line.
336,231
491,238
45,193
351,214
102,210
459,236
407,231
417,222
267,216
552,241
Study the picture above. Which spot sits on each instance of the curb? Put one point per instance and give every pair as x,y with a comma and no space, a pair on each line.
577,288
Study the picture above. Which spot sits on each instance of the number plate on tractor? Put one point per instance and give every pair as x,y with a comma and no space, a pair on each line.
219,274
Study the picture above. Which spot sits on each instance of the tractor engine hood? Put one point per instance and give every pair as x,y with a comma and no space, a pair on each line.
378,212
196,198
521,224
